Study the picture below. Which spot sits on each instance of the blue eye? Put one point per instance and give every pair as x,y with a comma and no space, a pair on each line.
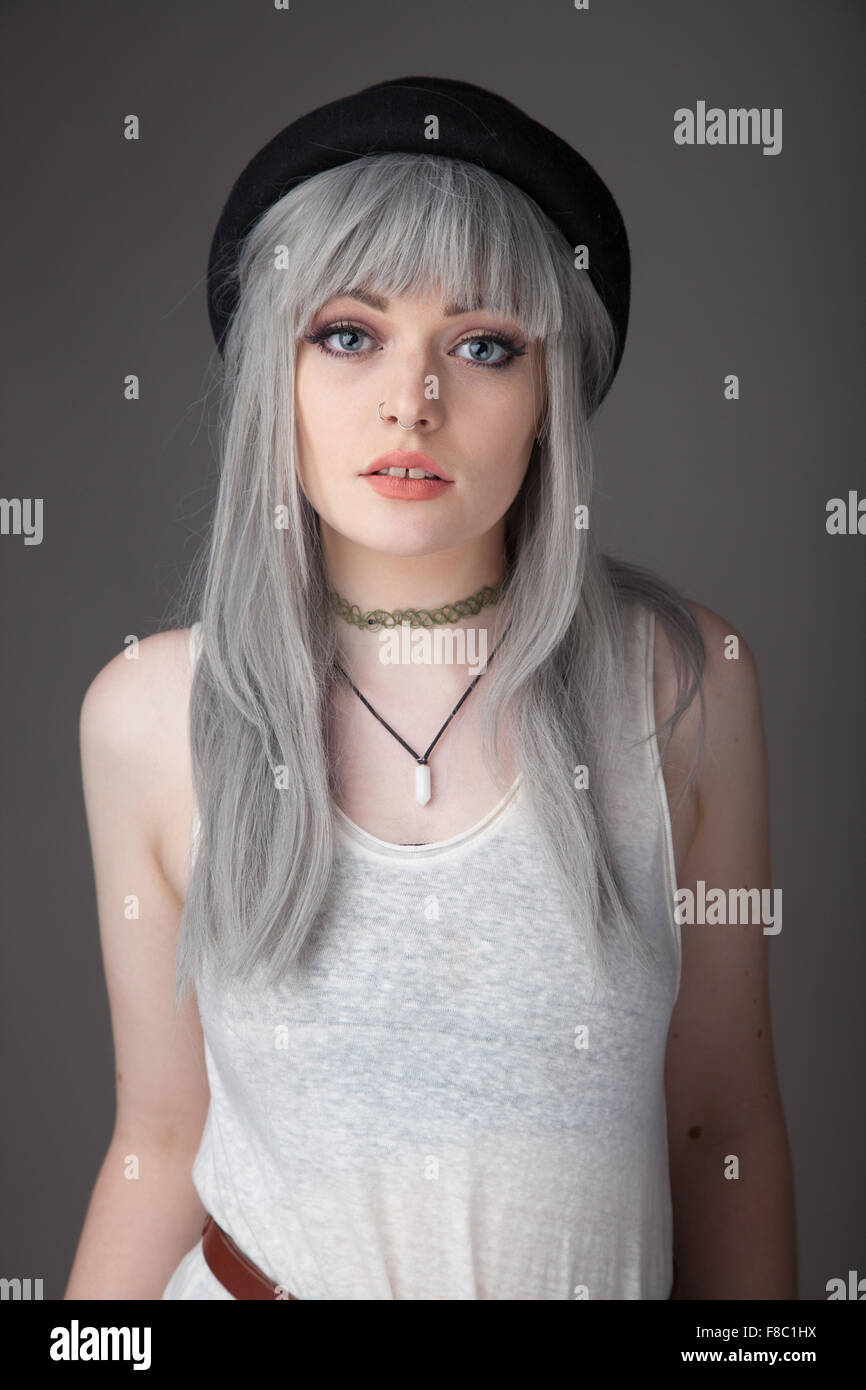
489,344
348,339
488,347
347,334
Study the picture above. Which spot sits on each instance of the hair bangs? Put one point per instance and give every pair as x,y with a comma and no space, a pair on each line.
415,224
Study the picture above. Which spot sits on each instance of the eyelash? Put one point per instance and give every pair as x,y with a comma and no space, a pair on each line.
513,348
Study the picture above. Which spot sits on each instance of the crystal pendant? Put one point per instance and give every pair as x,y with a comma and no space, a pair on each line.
422,784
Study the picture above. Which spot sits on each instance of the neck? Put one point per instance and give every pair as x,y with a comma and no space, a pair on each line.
373,580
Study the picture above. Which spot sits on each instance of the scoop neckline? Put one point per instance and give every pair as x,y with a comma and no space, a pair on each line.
357,834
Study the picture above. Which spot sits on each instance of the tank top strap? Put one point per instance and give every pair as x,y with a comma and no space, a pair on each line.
637,714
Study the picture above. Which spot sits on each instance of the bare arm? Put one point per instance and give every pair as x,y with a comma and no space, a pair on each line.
734,1236
144,1213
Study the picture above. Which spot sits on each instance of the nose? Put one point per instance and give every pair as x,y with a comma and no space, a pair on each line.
394,419
405,412
411,397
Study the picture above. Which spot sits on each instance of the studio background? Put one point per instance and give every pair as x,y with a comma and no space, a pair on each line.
742,263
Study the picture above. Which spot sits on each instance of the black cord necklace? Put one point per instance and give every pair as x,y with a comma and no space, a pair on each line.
423,786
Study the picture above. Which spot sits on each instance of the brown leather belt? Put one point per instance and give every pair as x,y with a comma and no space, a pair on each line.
235,1271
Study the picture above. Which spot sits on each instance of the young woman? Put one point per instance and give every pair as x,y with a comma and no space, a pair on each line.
416,1018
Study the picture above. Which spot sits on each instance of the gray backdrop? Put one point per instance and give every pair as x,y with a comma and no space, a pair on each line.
742,262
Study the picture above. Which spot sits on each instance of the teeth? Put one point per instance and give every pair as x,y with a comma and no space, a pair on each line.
403,472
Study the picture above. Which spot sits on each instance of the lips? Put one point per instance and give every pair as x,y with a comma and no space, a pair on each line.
406,489
399,459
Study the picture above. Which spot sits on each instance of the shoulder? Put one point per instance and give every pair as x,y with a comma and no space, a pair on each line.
134,719
731,694
133,691
722,641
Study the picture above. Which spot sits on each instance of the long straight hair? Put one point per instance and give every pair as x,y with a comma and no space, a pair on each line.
264,781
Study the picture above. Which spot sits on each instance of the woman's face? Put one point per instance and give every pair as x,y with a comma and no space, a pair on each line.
468,381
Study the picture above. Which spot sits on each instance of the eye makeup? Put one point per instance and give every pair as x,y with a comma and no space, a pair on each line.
510,346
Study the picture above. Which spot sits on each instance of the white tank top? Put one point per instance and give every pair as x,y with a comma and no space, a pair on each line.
418,1114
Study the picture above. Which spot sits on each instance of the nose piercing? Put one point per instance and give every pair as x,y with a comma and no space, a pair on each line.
381,417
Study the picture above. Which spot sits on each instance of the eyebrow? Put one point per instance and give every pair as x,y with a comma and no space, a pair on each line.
375,301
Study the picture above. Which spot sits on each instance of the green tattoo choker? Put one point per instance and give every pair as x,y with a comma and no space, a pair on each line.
419,617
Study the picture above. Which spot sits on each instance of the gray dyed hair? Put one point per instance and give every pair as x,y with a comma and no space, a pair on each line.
396,224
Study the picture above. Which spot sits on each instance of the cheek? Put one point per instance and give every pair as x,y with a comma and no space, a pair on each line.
512,437
313,418
503,431
324,414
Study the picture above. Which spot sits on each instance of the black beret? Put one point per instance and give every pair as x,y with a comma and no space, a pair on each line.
474,125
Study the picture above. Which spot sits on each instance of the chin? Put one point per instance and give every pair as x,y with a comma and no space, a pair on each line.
405,548
404,535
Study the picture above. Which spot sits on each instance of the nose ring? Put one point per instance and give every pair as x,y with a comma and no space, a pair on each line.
382,418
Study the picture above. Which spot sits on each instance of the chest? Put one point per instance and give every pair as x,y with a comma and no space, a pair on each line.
377,775
376,787
450,997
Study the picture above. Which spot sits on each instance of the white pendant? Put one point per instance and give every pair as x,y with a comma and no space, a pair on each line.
422,783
